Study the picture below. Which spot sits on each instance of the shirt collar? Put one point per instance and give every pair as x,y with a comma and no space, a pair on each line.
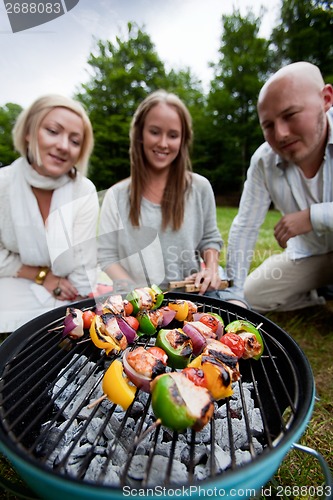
329,115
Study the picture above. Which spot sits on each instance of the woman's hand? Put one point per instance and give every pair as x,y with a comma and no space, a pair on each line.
207,279
60,288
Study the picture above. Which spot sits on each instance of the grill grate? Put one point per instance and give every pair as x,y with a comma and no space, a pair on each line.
30,391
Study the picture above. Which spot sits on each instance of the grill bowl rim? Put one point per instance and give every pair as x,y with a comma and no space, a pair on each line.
251,475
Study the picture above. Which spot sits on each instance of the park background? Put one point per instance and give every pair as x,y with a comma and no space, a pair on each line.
122,71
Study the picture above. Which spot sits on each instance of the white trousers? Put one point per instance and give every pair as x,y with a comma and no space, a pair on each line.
282,284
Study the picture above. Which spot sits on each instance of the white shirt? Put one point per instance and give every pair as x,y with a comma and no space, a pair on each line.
270,179
83,241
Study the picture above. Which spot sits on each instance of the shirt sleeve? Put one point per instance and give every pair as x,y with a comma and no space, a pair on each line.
84,273
253,207
321,215
10,262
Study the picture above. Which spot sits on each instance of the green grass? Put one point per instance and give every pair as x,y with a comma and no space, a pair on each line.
313,331
266,245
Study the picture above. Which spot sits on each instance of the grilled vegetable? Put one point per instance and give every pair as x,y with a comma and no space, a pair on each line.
149,321
179,403
115,304
106,333
223,353
168,315
132,322
177,346
254,345
145,298
140,299
212,320
217,375
126,326
142,366
184,309
73,323
235,342
196,375
159,354
199,333
205,330
87,317
220,367
198,339
128,307
116,385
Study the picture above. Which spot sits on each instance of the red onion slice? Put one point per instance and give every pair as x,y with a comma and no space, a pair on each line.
73,323
126,329
168,315
141,381
220,330
198,340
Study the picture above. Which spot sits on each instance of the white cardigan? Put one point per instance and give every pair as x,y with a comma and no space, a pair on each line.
21,299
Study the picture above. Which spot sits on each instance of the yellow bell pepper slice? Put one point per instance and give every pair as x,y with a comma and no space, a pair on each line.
181,308
117,386
99,339
217,376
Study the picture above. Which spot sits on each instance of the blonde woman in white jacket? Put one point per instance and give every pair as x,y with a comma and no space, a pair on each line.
48,213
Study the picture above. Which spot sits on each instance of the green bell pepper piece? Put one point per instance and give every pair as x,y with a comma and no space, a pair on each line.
177,345
241,325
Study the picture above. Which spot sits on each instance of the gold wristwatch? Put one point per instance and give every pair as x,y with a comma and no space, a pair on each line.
41,275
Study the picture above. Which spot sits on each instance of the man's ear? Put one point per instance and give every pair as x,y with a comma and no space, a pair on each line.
328,96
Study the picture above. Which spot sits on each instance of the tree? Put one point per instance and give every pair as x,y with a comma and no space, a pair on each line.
245,61
8,115
189,89
305,33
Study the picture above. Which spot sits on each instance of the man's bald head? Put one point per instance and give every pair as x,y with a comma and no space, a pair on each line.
292,108
299,73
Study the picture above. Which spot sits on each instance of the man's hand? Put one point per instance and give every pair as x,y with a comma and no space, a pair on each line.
291,225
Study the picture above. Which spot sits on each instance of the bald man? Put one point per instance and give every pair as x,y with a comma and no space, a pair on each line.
293,170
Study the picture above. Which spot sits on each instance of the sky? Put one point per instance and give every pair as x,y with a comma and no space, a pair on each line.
53,57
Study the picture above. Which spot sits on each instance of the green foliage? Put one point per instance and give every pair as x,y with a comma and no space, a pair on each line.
226,129
305,33
8,115
266,243
240,72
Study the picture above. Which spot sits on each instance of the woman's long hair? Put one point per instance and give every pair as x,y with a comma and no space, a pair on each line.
173,201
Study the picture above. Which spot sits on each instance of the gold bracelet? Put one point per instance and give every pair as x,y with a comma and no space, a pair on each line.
40,278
